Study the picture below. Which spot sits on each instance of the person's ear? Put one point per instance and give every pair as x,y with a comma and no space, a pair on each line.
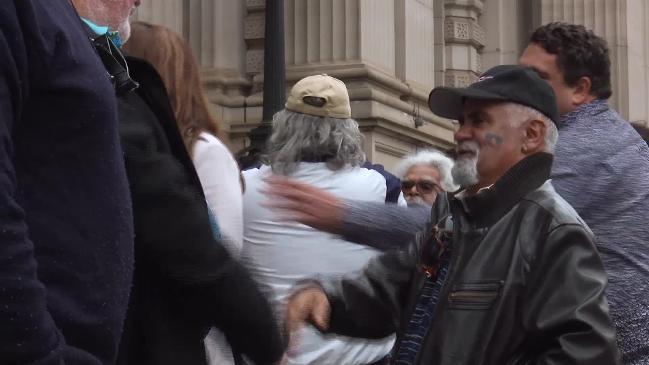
534,137
581,91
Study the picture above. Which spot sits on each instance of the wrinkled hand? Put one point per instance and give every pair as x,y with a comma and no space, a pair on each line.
305,203
308,305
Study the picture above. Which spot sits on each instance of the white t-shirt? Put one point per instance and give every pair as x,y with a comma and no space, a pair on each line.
280,253
219,175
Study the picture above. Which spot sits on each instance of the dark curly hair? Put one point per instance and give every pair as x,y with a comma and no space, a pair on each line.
579,53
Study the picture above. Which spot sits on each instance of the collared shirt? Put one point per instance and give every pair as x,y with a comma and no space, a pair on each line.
601,168
424,312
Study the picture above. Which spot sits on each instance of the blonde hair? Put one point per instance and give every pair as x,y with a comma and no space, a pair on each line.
172,57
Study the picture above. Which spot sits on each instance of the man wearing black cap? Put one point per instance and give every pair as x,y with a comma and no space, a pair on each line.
509,275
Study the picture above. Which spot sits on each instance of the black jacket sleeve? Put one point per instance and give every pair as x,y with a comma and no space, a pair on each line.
174,237
565,310
388,226
27,331
371,304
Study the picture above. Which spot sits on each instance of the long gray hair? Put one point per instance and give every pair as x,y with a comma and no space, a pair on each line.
301,137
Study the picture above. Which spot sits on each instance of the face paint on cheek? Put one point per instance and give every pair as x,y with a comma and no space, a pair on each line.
494,139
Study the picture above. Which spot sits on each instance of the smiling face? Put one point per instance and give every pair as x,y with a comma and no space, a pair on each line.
488,144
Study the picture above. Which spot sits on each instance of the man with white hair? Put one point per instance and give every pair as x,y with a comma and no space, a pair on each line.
424,175
314,140
509,275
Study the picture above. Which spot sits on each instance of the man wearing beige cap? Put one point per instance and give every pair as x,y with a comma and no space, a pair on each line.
314,140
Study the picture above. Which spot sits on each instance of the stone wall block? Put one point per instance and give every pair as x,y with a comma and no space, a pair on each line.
464,30
254,26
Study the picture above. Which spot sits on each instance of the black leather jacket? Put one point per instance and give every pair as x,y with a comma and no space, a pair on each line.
525,283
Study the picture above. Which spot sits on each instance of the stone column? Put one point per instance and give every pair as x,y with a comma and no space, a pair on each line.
215,31
164,12
637,28
384,50
414,41
507,25
464,38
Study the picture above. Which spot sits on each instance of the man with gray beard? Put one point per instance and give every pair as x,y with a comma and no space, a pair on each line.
509,274
465,169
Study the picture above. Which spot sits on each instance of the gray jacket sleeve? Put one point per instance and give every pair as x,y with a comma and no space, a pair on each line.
383,226
388,226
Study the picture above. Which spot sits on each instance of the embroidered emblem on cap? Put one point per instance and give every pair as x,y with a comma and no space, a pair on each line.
485,77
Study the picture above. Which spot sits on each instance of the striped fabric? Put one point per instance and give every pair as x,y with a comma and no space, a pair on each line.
422,316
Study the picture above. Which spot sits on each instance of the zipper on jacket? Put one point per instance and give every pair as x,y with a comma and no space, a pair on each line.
473,295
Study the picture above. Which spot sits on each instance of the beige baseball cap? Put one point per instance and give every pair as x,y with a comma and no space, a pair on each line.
320,95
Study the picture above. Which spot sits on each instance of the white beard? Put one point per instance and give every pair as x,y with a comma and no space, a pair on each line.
465,170
416,200
124,30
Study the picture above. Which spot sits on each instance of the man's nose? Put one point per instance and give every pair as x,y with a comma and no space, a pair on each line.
463,133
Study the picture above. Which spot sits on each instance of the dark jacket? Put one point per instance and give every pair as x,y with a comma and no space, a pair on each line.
185,280
66,231
392,183
525,283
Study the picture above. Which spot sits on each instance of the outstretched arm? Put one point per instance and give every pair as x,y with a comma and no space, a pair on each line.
383,226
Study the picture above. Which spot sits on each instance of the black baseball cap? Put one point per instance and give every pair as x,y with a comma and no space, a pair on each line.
513,83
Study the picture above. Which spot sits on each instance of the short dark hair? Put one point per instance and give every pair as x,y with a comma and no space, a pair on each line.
642,131
579,53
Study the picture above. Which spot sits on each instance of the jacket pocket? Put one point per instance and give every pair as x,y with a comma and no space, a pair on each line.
474,295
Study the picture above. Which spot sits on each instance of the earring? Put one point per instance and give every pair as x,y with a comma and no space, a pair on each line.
524,149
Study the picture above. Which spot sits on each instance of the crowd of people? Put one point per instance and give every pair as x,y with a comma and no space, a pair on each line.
130,236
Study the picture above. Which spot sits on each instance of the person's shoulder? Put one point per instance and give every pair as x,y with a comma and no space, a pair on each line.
207,142
256,172
547,205
365,177
49,29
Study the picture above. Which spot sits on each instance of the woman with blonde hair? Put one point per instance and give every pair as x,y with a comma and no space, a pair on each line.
216,167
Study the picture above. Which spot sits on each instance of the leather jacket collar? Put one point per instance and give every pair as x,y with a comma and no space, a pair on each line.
489,205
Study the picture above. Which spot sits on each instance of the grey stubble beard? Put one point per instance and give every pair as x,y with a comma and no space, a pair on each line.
465,170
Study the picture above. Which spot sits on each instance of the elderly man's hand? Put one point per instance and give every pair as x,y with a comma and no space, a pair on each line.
308,305
305,203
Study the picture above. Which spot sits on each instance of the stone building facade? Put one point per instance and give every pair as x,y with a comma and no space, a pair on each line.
391,53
